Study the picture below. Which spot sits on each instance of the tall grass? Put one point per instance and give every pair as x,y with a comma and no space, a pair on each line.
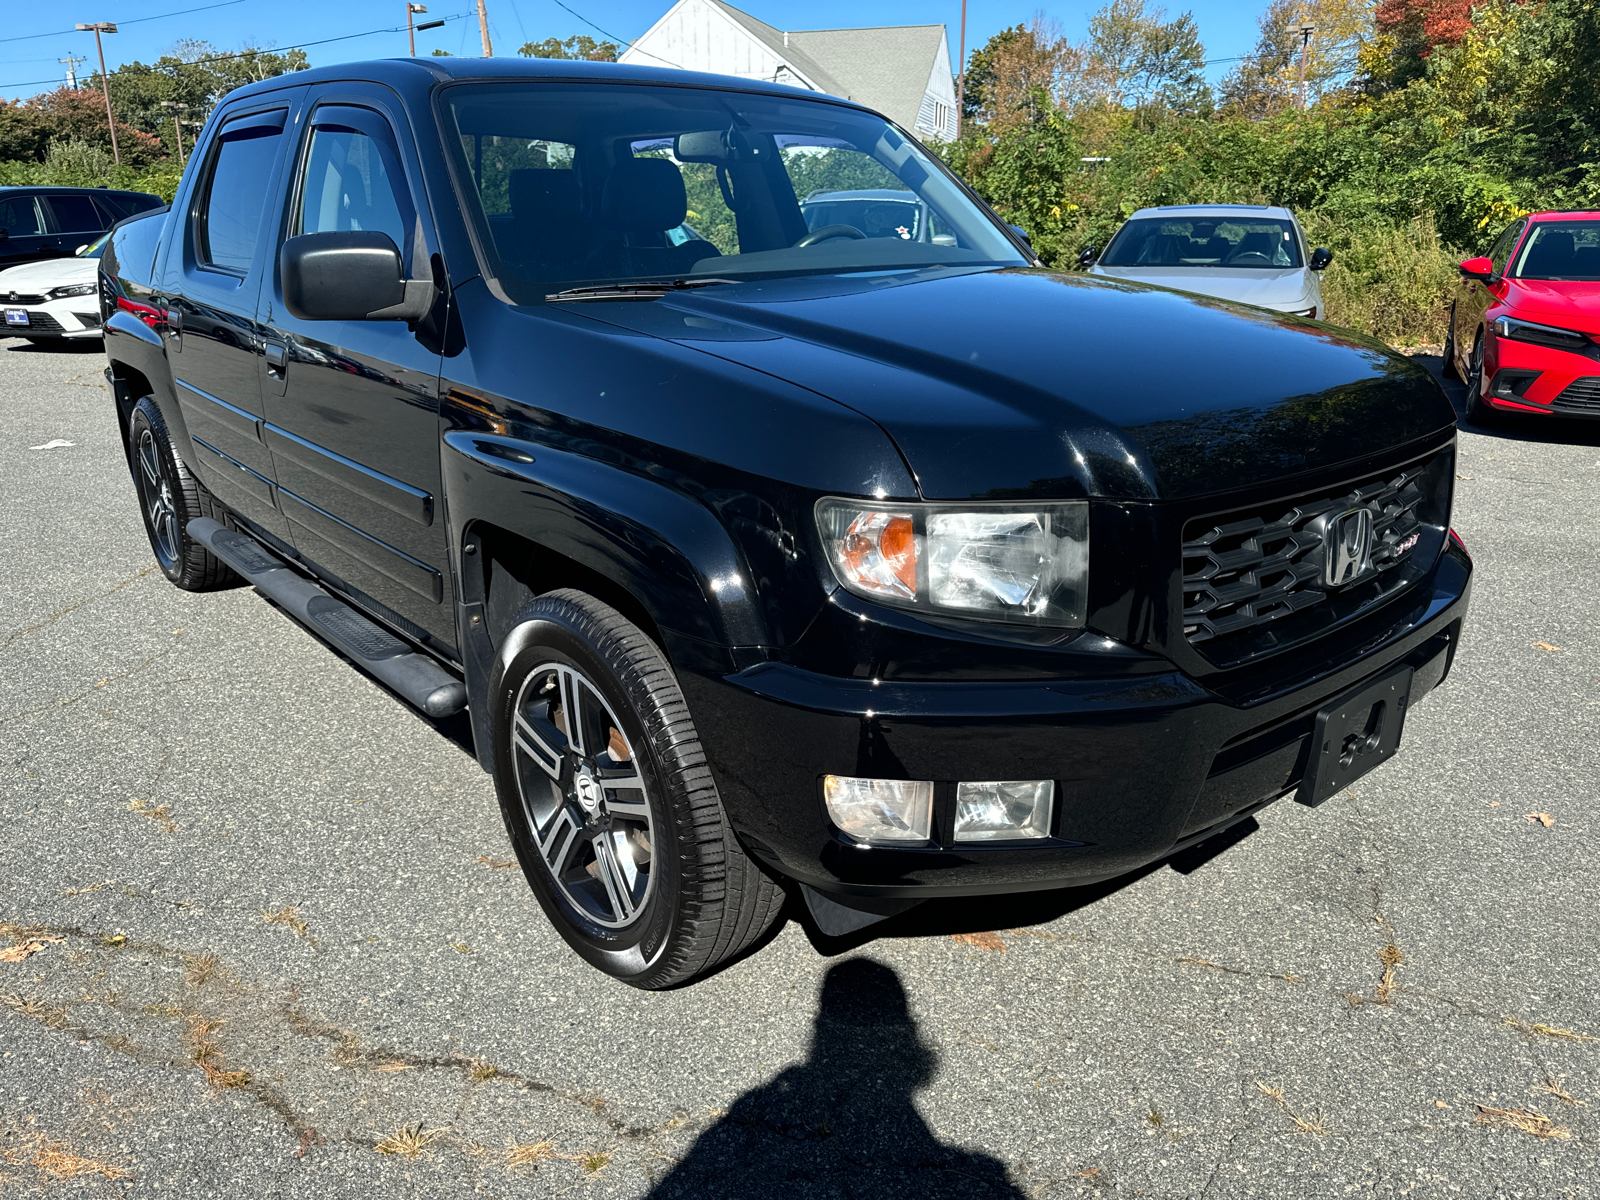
1392,281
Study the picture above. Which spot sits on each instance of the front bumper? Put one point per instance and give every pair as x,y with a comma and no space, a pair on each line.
1529,379
75,317
1143,765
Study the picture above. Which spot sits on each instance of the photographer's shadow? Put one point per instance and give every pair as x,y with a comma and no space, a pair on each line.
842,1122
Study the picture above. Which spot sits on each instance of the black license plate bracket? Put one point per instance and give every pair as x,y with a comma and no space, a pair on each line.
1355,733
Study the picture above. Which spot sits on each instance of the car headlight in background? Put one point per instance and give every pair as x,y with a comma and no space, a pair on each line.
77,289
1021,563
1543,335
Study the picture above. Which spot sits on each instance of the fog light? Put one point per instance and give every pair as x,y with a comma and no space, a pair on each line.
1003,812
880,810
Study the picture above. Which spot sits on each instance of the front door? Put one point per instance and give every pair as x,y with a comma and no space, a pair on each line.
23,233
211,283
78,221
353,406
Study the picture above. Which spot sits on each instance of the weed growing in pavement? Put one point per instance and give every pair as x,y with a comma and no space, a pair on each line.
408,1141
525,1154
56,1160
1391,958
288,918
1553,1086
1310,1123
201,967
1549,1031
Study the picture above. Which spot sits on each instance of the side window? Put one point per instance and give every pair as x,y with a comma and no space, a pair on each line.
236,192
1502,248
353,180
76,214
20,217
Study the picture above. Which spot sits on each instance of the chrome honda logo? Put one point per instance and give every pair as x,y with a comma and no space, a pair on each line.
1347,547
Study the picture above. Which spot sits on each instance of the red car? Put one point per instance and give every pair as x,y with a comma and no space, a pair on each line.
1525,326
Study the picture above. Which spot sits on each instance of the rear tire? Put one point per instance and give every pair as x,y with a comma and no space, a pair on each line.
619,829
169,498
1449,369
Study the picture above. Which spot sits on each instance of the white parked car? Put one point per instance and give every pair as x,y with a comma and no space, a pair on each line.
53,297
1247,252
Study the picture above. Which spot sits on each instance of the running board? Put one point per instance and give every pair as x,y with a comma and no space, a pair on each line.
419,680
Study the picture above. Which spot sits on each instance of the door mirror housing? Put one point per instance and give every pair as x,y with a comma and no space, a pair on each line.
349,275
1320,258
1478,268
1089,256
1021,233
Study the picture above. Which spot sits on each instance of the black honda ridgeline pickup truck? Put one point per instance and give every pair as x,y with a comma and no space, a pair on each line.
767,553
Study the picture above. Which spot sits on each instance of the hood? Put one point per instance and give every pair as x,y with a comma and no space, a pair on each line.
41,276
1002,384
1575,302
1284,289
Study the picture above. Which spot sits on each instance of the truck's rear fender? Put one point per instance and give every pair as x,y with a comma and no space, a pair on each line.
528,519
133,341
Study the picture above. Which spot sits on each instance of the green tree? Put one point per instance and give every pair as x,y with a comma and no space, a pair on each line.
580,46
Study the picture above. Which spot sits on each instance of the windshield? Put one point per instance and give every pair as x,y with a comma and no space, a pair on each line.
605,183
93,249
1560,250
1204,242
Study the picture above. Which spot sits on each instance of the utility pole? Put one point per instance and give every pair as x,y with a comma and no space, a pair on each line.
72,62
961,72
1305,48
99,27
483,28
411,30
177,109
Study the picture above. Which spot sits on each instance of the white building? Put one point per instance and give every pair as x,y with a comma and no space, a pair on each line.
903,71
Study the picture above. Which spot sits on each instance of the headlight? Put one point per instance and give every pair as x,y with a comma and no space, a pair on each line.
78,289
1022,563
1543,335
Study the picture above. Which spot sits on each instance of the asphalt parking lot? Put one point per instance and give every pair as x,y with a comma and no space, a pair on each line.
268,941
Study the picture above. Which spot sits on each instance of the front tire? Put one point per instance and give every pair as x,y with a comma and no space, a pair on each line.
1478,413
609,803
169,498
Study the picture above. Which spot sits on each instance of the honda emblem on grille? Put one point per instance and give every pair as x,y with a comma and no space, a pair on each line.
1347,547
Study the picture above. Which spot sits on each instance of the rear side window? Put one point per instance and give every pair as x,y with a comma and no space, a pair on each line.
20,217
76,214
353,181
242,168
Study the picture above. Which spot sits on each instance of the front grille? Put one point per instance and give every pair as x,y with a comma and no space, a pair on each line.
1249,568
1580,396
38,322
22,298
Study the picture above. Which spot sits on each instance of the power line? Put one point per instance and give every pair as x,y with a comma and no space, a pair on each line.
612,36
28,37
251,50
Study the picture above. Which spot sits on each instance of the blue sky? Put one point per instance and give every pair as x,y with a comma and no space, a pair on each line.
34,36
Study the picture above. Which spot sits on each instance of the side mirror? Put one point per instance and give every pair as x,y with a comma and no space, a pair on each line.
350,275
1090,256
1021,233
1320,258
81,248
1478,268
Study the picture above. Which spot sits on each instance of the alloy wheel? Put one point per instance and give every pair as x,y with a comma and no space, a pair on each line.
584,796
155,491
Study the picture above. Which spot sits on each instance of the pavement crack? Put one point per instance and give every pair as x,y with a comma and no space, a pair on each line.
59,613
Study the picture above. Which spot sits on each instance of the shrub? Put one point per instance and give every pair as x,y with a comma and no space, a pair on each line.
1393,282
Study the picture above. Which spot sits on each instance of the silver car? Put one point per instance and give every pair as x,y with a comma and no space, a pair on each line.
1247,252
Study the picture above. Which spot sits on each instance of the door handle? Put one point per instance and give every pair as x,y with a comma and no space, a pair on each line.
277,359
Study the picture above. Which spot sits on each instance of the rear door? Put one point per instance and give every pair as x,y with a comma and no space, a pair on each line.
77,222
211,282
24,233
353,406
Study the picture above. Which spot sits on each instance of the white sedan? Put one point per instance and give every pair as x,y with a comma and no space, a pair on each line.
53,297
1246,252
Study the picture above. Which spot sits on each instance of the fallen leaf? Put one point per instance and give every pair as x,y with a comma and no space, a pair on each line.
983,941
1546,646
26,949
489,862
1440,1104
1544,819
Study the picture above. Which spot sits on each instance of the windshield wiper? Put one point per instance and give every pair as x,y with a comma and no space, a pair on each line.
646,290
